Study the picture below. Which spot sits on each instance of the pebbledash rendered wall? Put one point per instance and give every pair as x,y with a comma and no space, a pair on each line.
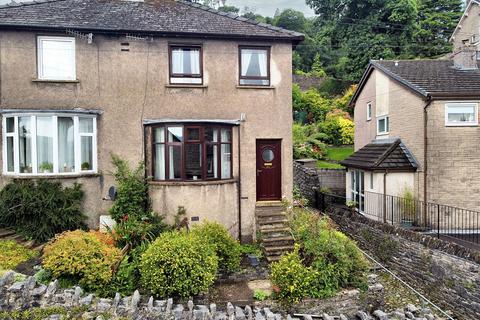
446,273
132,86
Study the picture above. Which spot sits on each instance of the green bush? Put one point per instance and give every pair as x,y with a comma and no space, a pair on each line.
228,250
81,257
39,210
335,256
292,281
325,261
136,222
178,263
12,254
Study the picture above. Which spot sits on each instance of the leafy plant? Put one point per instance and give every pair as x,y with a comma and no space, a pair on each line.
81,257
39,210
292,280
254,249
260,295
227,249
135,220
178,263
408,205
12,254
85,166
45,167
298,197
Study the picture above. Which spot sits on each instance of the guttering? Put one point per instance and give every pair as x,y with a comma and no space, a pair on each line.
239,187
385,196
162,34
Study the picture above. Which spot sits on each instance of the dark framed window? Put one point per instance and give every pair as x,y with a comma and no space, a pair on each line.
186,64
254,66
192,152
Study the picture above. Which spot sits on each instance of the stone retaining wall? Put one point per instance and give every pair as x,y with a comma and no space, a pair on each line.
444,272
308,179
28,294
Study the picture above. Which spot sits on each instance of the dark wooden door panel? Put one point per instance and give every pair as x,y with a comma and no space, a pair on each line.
269,170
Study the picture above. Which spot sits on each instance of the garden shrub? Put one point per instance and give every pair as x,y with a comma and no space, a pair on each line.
178,263
330,260
81,257
292,281
136,222
12,254
227,249
39,210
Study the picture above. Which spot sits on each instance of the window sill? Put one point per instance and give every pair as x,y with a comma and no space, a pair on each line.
192,183
55,81
189,86
461,125
52,176
256,87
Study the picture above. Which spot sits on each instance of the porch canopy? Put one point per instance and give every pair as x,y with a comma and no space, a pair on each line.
382,155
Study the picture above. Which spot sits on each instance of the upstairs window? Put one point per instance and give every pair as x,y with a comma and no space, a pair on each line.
41,144
461,114
383,125
369,111
186,65
254,66
56,58
192,152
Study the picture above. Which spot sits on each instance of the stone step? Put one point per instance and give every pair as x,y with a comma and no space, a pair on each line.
269,213
6,233
268,241
273,258
268,230
263,204
278,243
280,249
274,220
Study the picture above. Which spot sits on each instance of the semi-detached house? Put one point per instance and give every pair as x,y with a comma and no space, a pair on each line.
202,97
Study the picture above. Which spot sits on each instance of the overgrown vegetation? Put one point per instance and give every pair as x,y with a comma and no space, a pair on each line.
324,261
12,254
227,249
81,257
40,209
136,222
178,264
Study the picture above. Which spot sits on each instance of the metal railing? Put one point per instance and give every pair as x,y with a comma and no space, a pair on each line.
446,222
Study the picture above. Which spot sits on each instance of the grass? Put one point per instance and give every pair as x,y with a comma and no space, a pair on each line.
335,155
328,165
339,153
12,254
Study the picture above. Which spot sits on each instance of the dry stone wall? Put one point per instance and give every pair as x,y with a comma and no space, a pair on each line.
28,294
445,272
307,179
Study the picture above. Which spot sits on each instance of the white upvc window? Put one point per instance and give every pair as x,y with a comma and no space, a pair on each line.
383,125
461,114
357,189
56,58
369,111
49,144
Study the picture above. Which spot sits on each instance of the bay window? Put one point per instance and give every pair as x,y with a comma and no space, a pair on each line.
254,66
192,152
43,144
185,64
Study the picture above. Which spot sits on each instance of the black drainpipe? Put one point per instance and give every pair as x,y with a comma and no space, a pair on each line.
425,153
239,187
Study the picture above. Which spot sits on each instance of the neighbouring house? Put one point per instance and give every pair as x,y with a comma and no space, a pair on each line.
416,126
203,97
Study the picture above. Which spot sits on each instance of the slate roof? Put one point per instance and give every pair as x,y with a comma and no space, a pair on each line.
382,155
167,17
428,78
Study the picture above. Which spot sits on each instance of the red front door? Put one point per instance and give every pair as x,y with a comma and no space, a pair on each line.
269,170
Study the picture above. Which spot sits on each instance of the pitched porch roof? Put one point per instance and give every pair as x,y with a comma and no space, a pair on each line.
382,155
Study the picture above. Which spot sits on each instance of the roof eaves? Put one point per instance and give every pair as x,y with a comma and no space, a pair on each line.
400,79
296,35
387,152
361,84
